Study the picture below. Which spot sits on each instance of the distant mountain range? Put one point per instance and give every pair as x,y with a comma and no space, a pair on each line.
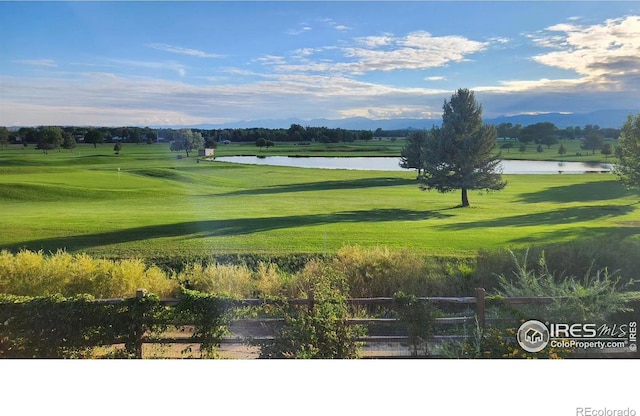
603,118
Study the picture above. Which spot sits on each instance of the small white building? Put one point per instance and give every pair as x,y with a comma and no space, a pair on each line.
206,152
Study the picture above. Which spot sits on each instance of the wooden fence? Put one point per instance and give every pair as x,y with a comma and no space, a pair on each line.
387,337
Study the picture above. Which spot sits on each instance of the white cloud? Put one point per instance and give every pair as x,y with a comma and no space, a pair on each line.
182,51
170,65
603,53
375,41
417,50
104,98
393,111
499,40
23,115
544,84
37,62
332,23
299,31
439,78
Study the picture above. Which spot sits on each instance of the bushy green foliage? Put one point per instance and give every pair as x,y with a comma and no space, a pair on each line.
574,258
218,278
319,329
29,273
418,315
207,314
628,152
381,271
593,298
59,327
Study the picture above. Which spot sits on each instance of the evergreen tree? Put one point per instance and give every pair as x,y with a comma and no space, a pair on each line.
412,154
562,150
628,152
460,154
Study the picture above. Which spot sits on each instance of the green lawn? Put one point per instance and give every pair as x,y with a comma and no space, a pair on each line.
146,202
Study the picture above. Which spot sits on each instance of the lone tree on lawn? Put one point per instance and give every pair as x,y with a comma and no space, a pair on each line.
94,136
628,152
187,140
460,154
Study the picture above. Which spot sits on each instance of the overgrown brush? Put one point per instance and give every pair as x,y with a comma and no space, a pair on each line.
235,280
231,280
29,273
575,258
593,298
380,271
320,329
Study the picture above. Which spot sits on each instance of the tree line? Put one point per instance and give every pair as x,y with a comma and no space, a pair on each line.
295,133
547,134
52,137
55,137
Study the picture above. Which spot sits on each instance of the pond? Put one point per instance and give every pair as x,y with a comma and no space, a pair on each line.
392,164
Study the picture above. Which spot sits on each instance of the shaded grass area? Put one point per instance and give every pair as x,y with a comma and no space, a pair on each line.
577,192
147,203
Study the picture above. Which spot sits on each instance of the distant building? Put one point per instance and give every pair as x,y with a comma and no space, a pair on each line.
206,152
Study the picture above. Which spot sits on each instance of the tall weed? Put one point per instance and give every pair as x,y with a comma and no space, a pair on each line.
30,273
231,280
592,298
380,271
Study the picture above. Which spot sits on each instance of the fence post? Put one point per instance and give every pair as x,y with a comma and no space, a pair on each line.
480,306
139,327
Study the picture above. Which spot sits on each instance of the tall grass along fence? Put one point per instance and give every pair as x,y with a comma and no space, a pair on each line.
207,326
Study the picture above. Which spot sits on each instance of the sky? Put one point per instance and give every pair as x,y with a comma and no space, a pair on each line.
187,63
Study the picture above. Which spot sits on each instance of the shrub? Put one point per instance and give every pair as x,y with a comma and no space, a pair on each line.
207,314
575,258
59,327
419,317
29,273
594,298
320,329
232,280
381,271
269,281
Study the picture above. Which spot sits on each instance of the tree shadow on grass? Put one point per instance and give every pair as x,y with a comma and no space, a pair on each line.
580,192
217,228
557,217
328,186
584,233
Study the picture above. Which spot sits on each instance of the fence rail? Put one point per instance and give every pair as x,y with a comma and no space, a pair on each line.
243,329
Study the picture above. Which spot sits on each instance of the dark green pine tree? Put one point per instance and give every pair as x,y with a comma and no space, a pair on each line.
460,154
412,154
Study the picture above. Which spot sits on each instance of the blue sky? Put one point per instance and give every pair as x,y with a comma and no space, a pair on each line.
186,63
